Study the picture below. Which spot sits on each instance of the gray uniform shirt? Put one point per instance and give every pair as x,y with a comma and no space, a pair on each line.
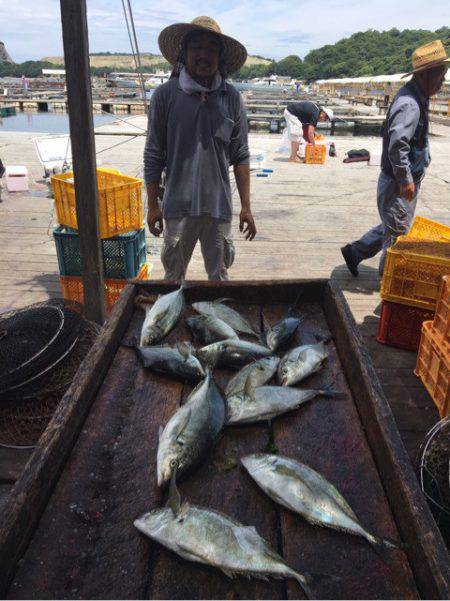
195,141
407,161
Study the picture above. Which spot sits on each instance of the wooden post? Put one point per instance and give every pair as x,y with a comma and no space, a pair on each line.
79,97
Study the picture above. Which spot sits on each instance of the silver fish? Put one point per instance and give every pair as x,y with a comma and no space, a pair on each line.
210,329
161,317
281,332
266,402
301,362
191,431
212,538
230,316
305,491
232,353
176,361
255,374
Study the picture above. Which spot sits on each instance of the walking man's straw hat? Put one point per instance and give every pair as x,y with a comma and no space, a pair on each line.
429,56
170,40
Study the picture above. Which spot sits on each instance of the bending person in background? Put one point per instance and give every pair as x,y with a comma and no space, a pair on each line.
405,157
301,122
197,129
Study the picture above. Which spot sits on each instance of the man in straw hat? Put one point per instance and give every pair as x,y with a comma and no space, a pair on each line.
405,156
197,129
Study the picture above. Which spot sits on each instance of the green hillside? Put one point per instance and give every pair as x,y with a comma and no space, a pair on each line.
364,53
370,53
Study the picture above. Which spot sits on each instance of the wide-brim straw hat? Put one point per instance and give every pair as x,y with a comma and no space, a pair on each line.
428,56
170,39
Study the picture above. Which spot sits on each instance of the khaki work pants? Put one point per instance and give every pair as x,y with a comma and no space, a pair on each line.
181,236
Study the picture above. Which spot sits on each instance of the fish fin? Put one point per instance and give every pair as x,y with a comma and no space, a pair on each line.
310,580
330,392
222,300
162,314
263,326
249,389
382,546
174,499
160,432
228,573
184,350
292,308
182,426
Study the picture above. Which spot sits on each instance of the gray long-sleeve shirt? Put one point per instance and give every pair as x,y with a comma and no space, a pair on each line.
403,157
196,141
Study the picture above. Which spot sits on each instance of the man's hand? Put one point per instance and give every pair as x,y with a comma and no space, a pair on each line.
155,221
246,219
407,191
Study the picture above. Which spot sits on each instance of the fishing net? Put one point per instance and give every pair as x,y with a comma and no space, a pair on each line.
434,473
33,341
23,422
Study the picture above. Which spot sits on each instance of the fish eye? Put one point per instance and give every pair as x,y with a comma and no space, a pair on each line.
173,463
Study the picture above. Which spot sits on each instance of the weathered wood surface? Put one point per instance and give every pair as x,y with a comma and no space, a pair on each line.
86,546
23,509
429,557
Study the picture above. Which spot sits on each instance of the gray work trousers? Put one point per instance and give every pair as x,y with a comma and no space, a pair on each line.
396,215
181,236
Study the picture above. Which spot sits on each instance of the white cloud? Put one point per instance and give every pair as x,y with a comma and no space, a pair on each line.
273,28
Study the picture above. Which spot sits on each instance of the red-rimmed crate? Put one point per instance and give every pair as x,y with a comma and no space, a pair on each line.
401,325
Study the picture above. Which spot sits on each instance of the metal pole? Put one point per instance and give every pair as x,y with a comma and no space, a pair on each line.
79,96
144,97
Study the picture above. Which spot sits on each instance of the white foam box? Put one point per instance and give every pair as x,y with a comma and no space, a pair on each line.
16,178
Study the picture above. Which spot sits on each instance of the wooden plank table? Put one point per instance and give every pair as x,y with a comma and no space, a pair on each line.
70,517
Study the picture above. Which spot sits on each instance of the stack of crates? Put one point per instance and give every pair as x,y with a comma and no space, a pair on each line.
120,227
411,282
433,360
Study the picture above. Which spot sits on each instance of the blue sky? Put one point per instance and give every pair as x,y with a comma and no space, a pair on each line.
272,28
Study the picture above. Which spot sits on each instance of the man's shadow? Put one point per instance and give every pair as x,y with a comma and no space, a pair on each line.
367,282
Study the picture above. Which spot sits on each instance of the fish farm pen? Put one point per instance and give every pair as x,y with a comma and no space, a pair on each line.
93,472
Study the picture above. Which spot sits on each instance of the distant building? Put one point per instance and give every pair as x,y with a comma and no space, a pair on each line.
4,56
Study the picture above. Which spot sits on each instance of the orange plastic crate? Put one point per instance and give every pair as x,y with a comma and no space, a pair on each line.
413,272
441,323
119,202
433,367
315,154
427,229
72,287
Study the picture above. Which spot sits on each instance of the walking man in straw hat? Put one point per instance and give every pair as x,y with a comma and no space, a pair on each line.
197,129
405,156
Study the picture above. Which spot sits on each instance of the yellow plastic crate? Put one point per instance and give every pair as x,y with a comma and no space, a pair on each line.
433,368
315,154
413,271
72,287
119,202
427,229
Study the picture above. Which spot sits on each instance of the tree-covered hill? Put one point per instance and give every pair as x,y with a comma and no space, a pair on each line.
364,53
370,53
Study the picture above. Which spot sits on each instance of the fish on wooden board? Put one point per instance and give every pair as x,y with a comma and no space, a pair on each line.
266,402
305,491
160,317
217,308
212,538
233,353
300,362
179,361
209,328
192,430
252,375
